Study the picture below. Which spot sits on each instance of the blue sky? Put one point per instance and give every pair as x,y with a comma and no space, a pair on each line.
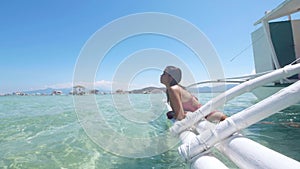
40,41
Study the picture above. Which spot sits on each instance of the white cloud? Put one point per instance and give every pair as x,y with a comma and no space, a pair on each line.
60,85
98,84
103,84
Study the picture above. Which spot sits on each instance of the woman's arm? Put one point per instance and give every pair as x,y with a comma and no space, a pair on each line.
176,102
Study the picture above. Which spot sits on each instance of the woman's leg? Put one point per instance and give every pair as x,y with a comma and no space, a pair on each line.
216,116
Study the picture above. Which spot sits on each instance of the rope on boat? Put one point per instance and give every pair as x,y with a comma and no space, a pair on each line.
240,79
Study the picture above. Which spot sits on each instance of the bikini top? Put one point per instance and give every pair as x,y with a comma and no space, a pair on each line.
191,105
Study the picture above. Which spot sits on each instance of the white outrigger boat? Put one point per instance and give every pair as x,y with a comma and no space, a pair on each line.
277,44
199,136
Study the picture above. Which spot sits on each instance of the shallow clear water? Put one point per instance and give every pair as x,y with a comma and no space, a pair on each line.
44,132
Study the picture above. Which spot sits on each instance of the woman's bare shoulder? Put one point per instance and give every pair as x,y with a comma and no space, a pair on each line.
175,88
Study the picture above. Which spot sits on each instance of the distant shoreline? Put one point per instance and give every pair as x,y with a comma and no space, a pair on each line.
83,91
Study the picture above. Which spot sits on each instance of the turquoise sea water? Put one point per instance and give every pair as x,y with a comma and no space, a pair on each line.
46,132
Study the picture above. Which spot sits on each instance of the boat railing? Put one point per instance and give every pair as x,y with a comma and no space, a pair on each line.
220,100
244,152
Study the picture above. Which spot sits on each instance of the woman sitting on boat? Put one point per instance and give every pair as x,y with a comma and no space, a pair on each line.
180,100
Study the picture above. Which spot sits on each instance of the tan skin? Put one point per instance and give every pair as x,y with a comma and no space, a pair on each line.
178,95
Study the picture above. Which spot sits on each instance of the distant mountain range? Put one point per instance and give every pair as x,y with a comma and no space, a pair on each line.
146,90
149,90
216,89
205,89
